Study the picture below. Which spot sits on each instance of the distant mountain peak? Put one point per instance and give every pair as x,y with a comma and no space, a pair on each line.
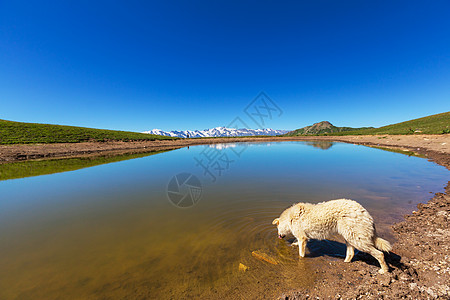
218,132
324,123
319,128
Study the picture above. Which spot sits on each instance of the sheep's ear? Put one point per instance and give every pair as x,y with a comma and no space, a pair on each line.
276,221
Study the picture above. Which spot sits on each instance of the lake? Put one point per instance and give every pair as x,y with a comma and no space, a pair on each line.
177,224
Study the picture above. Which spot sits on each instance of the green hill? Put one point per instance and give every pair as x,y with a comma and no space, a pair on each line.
434,124
323,127
27,133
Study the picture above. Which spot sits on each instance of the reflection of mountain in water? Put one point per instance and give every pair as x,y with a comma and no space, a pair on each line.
324,145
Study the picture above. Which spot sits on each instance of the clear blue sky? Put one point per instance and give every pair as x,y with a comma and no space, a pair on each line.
139,65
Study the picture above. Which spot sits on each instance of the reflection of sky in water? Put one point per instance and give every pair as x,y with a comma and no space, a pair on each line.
116,218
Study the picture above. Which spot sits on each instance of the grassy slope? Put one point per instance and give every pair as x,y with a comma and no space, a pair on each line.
44,167
434,124
26,133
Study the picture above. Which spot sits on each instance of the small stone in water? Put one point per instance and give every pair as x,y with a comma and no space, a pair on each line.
243,267
264,257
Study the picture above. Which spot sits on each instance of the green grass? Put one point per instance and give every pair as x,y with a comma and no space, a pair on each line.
29,133
45,167
434,124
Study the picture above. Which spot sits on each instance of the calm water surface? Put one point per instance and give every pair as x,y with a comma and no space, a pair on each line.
110,231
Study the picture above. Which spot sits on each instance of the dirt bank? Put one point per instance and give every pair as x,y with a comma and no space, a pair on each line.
420,260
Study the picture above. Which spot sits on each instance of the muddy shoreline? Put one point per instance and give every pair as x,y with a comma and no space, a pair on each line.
420,259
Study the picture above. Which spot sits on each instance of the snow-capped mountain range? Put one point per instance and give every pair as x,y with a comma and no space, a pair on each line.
217,132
